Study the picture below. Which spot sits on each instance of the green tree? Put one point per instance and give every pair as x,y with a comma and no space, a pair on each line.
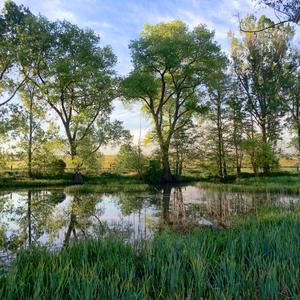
290,85
104,133
171,63
47,158
26,121
184,148
258,61
73,74
131,158
238,122
260,154
219,124
12,21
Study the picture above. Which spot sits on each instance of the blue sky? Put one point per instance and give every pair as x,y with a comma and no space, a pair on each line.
119,21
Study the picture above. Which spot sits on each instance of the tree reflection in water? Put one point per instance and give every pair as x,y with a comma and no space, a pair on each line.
53,218
80,218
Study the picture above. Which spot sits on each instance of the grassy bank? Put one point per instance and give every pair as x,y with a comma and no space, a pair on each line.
22,183
259,259
109,183
273,184
112,187
97,184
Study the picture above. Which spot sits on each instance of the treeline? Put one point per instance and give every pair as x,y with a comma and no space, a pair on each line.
206,107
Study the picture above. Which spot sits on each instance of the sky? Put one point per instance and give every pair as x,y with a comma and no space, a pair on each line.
120,21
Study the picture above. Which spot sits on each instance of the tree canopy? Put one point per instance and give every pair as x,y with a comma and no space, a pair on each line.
172,66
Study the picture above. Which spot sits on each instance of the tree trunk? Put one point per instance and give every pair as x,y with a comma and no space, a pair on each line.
164,150
237,161
299,138
177,162
167,175
177,168
252,155
139,169
73,149
221,152
71,140
266,163
30,138
223,158
180,167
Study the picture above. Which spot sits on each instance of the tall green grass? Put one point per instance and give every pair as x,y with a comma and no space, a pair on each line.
274,184
257,259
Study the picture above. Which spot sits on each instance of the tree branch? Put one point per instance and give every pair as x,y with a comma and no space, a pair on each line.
14,92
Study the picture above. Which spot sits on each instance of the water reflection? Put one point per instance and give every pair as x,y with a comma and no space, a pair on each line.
54,218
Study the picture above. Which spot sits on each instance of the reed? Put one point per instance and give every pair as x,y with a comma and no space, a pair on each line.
258,258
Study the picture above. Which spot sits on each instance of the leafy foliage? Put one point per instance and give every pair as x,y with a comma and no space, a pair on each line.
171,63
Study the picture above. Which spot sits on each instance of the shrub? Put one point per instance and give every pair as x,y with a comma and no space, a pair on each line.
154,172
57,166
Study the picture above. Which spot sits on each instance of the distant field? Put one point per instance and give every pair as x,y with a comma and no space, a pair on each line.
108,161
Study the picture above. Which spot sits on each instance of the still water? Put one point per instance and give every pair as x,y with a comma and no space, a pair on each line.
53,218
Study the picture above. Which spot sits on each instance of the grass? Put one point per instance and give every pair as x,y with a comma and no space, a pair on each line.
26,182
274,184
108,183
113,187
258,258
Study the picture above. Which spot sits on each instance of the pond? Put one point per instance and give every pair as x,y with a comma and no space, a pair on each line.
52,218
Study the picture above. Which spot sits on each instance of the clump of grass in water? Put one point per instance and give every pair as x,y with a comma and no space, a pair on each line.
258,259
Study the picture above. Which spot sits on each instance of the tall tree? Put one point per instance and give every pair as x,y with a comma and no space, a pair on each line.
171,64
73,74
12,21
26,123
183,148
218,123
258,62
238,122
290,85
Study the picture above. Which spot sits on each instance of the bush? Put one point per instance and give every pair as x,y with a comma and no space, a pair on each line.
262,155
57,167
53,166
154,172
